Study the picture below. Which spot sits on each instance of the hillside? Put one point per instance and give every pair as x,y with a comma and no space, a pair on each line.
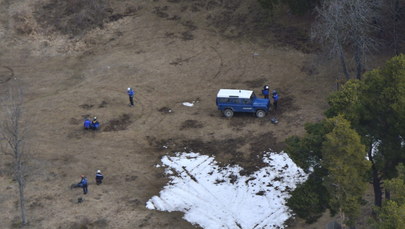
170,52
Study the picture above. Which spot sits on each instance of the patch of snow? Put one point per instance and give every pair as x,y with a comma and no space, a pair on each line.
219,197
374,148
187,104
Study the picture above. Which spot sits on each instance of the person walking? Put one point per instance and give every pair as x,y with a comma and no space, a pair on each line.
99,177
275,99
131,94
266,92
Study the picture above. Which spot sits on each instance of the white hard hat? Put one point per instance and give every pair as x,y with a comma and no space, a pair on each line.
129,88
95,117
98,171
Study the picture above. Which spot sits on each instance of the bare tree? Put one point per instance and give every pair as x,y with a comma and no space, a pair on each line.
12,130
344,27
391,23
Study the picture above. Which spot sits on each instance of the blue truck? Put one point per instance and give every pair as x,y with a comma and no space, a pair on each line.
230,101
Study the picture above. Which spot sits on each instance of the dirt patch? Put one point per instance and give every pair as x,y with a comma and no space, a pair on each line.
159,11
75,121
264,142
103,104
226,151
85,223
241,120
190,25
22,24
187,36
309,68
129,178
121,123
286,104
179,61
165,110
191,124
293,37
257,83
6,74
227,146
86,106
72,17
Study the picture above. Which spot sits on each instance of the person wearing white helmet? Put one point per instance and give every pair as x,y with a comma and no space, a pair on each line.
99,177
265,91
131,94
95,124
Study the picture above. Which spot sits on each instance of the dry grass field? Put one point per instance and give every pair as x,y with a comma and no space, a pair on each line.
170,52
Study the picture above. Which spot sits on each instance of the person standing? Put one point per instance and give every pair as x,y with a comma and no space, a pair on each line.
83,184
99,177
131,94
275,99
266,92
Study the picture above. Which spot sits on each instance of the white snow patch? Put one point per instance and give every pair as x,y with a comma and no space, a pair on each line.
219,197
187,104
374,148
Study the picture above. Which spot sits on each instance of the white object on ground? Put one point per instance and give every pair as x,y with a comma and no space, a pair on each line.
187,104
219,197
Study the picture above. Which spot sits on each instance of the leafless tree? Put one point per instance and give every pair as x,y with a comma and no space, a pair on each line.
344,27
12,131
327,30
391,23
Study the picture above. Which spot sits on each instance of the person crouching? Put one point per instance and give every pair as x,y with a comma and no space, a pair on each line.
99,177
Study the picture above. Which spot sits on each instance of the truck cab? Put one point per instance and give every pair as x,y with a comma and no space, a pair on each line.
230,101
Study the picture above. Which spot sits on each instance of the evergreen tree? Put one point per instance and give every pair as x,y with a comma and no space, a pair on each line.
392,212
344,158
391,216
376,108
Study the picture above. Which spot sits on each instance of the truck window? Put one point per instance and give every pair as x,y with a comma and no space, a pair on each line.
235,101
223,100
247,101
253,96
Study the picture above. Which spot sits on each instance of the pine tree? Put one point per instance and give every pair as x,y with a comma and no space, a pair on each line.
344,158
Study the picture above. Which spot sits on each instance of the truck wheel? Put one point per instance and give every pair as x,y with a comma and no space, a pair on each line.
260,113
228,113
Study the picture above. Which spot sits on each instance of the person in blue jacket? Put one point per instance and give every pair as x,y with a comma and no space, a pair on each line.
99,177
131,94
87,124
94,124
266,92
83,184
275,99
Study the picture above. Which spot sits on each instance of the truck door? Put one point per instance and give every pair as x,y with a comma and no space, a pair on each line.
247,105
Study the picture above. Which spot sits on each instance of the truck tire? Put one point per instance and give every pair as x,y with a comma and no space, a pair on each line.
228,113
260,113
